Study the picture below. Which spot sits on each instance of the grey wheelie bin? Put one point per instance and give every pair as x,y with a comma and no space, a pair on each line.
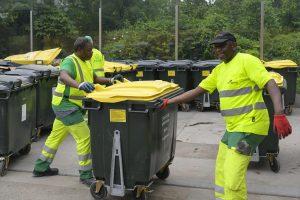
45,114
177,72
289,70
131,138
17,116
199,71
269,148
36,78
147,70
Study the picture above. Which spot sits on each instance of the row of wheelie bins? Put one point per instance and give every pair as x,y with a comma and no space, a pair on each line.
186,73
25,104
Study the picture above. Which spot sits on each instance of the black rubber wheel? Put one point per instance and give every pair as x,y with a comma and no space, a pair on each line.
185,107
101,194
200,107
143,196
25,150
3,169
163,174
288,110
274,165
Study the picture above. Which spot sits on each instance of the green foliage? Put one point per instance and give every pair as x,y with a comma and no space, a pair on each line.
285,46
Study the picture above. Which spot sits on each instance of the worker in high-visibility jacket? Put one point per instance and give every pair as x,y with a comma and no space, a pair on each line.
240,80
75,80
97,60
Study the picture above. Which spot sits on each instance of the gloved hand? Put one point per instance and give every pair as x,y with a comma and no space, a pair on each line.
164,104
86,86
282,126
117,77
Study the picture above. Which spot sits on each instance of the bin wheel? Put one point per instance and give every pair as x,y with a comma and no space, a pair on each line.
217,106
274,164
143,194
3,166
185,107
288,110
25,150
200,107
98,195
163,173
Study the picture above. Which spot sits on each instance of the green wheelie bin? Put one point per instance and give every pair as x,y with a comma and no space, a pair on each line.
269,148
289,70
147,70
48,82
131,138
17,116
177,72
199,71
35,77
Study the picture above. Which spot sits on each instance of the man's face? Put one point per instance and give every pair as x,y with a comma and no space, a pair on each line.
86,52
225,51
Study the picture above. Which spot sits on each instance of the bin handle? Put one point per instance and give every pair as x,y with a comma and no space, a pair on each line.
87,106
7,95
181,69
138,111
160,69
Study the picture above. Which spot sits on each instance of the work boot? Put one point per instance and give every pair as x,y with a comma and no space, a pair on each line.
88,182
48,172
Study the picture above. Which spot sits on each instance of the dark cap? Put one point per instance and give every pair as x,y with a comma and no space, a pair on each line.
223,37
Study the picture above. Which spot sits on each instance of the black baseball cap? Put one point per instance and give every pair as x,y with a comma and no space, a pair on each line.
223,37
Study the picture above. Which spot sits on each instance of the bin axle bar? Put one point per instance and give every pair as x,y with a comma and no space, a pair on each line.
117,189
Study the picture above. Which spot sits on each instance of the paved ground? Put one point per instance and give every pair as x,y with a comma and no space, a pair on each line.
191,172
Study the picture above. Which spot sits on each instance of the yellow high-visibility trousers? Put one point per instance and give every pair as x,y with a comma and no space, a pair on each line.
230,174
81,134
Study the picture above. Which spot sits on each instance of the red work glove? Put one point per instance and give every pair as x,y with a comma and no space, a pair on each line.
282,126
164,104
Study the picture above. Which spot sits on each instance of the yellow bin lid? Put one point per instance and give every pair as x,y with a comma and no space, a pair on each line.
36,57
115,67
278,78
280,64
136,90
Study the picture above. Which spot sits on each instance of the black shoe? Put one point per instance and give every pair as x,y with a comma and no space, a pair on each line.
88,182
48,172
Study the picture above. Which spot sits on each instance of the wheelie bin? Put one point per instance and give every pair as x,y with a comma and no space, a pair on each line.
199,71
45,114
35,77
147,70
269,148
289,70
131,138
17,116
177,72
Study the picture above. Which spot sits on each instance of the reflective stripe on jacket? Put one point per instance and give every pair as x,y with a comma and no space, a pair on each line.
84,73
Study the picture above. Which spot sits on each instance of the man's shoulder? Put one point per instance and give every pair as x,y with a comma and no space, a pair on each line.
248,56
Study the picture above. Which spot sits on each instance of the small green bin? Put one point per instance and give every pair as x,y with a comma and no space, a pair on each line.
131,138
269,148
289,70
199,71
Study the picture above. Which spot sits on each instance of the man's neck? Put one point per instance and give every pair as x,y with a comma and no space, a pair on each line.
233,55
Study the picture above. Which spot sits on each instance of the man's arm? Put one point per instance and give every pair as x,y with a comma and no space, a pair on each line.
275,95
187,96
67,79
101,80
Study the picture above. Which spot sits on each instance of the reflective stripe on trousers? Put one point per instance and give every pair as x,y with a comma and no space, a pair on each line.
230,174
81,134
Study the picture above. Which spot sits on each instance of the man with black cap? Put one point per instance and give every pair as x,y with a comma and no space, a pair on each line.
240,79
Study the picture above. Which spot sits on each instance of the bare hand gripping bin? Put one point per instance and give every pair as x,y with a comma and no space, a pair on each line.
132,139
